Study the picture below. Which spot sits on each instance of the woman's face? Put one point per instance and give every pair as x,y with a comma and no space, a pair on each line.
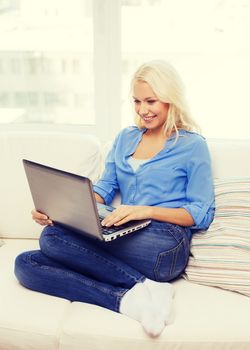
153,113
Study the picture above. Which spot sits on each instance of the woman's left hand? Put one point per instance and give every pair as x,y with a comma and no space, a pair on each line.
125,213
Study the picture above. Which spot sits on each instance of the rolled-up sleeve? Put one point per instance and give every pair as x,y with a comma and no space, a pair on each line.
200,189
107,185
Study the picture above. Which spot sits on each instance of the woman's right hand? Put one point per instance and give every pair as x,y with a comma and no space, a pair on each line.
40,218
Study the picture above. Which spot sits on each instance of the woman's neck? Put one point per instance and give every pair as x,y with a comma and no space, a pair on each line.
156,134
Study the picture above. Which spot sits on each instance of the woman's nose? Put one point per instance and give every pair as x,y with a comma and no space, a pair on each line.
143,109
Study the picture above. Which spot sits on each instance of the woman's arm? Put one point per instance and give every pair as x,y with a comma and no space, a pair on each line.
98,198
178,216
107,185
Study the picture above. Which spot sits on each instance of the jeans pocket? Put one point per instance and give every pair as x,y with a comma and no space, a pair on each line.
171,263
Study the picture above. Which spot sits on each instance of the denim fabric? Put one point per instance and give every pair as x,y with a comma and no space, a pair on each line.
79,268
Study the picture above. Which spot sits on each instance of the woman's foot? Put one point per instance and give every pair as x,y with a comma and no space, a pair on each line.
149,303
162,297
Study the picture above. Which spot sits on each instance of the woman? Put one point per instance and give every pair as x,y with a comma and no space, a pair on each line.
162,169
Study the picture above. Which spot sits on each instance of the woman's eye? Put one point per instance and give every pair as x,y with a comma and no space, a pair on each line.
151,101
136,101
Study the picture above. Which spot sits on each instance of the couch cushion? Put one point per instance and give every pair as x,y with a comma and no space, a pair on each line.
220,256
72,152
28,320
204,318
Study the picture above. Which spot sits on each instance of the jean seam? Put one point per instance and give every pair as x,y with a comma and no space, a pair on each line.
119,297
163,254
101,258
171,232
72,275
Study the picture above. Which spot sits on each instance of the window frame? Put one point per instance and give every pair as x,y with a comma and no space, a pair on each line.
107,77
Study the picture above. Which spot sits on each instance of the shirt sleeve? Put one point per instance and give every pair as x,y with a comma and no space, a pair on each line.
200,189
107,185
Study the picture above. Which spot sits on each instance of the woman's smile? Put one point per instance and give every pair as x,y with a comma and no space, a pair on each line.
148,118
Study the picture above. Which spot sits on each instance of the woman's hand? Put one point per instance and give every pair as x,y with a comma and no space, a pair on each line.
40,218
125,213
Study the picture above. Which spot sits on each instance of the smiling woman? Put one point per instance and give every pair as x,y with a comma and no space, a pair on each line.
159,169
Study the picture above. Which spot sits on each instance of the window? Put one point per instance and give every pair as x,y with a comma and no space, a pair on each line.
46,55
69,62
208,41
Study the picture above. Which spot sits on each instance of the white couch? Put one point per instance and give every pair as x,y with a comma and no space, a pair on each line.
205,317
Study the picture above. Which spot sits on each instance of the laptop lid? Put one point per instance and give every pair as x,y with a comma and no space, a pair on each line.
66,198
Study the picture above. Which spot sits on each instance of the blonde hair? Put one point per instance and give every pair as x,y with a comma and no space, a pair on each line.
168,87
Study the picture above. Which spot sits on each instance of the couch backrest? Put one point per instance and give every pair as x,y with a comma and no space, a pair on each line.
73,152
80,154
230,158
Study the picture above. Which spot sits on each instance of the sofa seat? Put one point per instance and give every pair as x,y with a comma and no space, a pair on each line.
32,320
194,308
28,320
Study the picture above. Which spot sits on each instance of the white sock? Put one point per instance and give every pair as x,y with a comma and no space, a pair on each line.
138,304
135,301
162,297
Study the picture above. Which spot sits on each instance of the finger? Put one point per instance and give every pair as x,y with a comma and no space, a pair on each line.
109,222
109,219
105,220
123,221
44,222
40,222
118,220
37,215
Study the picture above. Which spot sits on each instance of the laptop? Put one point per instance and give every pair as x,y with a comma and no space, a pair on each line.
68,199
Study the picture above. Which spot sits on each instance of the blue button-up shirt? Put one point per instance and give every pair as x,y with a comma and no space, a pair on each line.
179,176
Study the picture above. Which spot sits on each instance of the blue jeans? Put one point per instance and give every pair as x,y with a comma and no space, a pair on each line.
78,268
